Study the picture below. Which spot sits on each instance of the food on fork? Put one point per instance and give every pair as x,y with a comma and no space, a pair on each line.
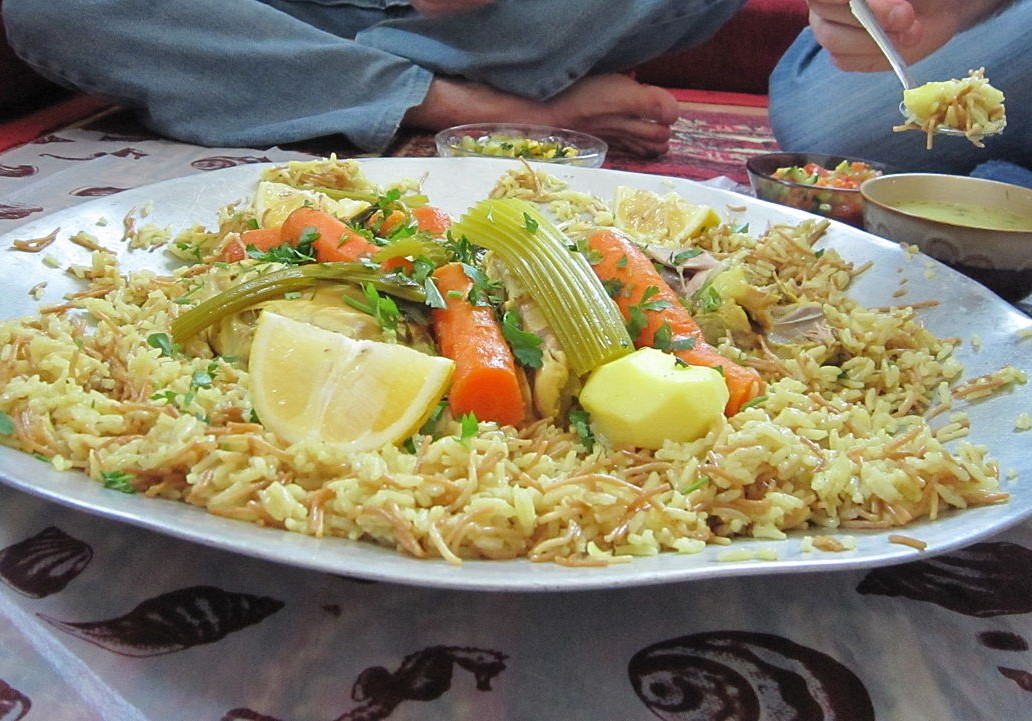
971,106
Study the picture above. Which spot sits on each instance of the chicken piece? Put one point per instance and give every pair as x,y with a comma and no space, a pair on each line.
322,306
554,384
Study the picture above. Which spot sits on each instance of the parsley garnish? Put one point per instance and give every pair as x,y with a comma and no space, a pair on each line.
163,342
484,290
434,299
6,425
708,299
468,426
526,346
461,250
529,223
118,481
581,425
381,307
701,481
286,253
638,321
665,341
613,287
683,256
430,425
754,402
199,379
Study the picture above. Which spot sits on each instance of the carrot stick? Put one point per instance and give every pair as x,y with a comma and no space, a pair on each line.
261,238
642,293
485,381
432,220
336,242
383,223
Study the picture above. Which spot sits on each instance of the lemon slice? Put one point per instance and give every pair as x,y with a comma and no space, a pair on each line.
308,383
273,202
665,219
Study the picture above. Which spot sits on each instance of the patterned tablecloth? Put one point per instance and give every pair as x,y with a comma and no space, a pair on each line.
101,621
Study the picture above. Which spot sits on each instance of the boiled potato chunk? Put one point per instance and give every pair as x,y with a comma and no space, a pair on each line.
647,397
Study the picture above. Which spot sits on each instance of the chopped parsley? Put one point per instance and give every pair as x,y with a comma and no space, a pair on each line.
6,425
163,342
665,341
484,290
529,223
381,307
118,481
526,346
580,422
708,299
701,481
638,321
684,256
288,254
468,426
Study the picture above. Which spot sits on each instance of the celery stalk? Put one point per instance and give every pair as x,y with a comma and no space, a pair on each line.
412,200
276,283
573,301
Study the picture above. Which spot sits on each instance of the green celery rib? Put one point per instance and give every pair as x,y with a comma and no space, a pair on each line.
278,282
412,200
572,299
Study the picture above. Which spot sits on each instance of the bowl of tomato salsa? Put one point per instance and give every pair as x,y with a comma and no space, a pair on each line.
826,185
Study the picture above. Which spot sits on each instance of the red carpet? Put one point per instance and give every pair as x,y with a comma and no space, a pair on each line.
61,114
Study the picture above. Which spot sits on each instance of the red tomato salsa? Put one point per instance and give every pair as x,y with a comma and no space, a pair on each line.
847,174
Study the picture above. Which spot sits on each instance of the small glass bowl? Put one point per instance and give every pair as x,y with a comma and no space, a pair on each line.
845,204
535,143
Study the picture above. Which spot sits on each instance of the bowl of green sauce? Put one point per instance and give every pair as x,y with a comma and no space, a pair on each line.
983,228
535,143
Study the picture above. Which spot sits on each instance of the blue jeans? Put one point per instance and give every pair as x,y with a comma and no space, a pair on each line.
818,108
266,72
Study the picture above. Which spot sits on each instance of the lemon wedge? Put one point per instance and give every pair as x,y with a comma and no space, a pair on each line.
309,383
273,202
664,219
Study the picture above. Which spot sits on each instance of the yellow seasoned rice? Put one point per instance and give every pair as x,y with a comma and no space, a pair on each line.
841,440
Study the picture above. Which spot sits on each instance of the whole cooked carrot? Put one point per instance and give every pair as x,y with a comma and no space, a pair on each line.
654,311
260,238
485,380
335,241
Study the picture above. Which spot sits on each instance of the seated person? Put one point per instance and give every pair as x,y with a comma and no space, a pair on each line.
825,96
267,72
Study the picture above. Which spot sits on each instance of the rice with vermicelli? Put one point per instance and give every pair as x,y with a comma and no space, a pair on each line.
843,438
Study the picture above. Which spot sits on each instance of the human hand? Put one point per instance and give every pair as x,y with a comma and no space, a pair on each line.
447,7
916,27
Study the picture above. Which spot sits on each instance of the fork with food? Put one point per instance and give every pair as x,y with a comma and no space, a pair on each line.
969,106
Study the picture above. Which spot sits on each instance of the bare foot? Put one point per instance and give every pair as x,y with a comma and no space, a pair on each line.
623,112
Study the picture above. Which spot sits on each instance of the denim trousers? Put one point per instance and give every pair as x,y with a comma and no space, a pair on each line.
268,72
816,107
